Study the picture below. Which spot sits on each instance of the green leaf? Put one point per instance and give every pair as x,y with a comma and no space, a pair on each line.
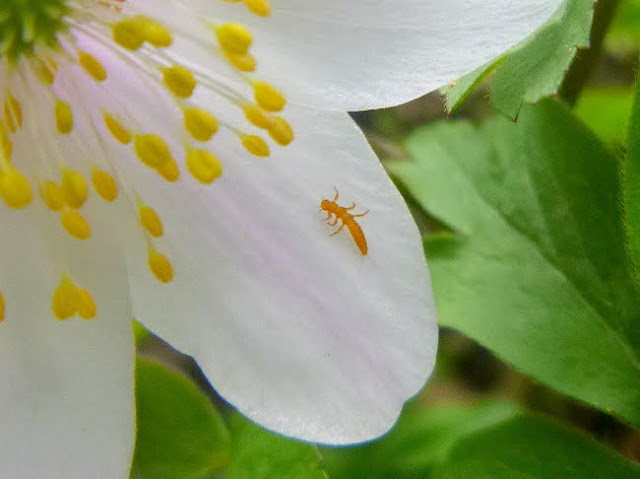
537,271
631,183
492,440
606,111
260,454
456,92
421,439
535,68
139,332
180,434
527,447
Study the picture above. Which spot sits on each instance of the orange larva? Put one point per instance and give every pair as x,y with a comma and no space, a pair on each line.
342,213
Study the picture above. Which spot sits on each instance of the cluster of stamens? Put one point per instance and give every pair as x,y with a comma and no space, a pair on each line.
142,43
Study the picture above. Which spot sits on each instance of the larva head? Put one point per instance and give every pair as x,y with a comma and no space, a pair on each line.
327,205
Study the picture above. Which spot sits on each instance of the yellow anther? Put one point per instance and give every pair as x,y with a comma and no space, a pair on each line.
65,299
74,188
118,131
12,112
255,145
203,165
179,80
281,131
169,171
6,146
151,221
64,117
160,266
244,63
155,33
75,224
129,34
85,306
104,184
268,97
51,194
2,308
152,150
200,124
14,188
256,115
259,7
92,66
234,38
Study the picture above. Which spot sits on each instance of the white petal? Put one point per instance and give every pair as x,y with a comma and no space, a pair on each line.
295,328
67,387
370,54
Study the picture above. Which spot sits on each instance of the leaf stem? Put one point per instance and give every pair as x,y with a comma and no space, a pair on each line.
585,60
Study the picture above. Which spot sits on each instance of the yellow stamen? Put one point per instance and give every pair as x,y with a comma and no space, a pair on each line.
92,66
169,171
179,80
235,39
280,131
51,194
151,221
64,117
118,131
129,34
6,146
65,299
261,8
155,33
2,308
200,124
256,116
255,145
203,165
160,266
14,188
104,184
85,305
45,70
268,97
244,63
152,150
12,112
74,188
75,224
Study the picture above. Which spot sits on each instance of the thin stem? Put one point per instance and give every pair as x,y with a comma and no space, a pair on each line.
585,60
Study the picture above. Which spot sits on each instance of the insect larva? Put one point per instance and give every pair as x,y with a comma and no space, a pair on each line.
342,213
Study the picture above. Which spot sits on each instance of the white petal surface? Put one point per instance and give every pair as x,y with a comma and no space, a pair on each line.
295,328
369,54
66,398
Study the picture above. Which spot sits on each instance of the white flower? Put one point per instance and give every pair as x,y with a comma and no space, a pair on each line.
166,160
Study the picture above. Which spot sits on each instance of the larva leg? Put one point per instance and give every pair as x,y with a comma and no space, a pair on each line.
361,214
353,205
335,222
328,216
338,230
